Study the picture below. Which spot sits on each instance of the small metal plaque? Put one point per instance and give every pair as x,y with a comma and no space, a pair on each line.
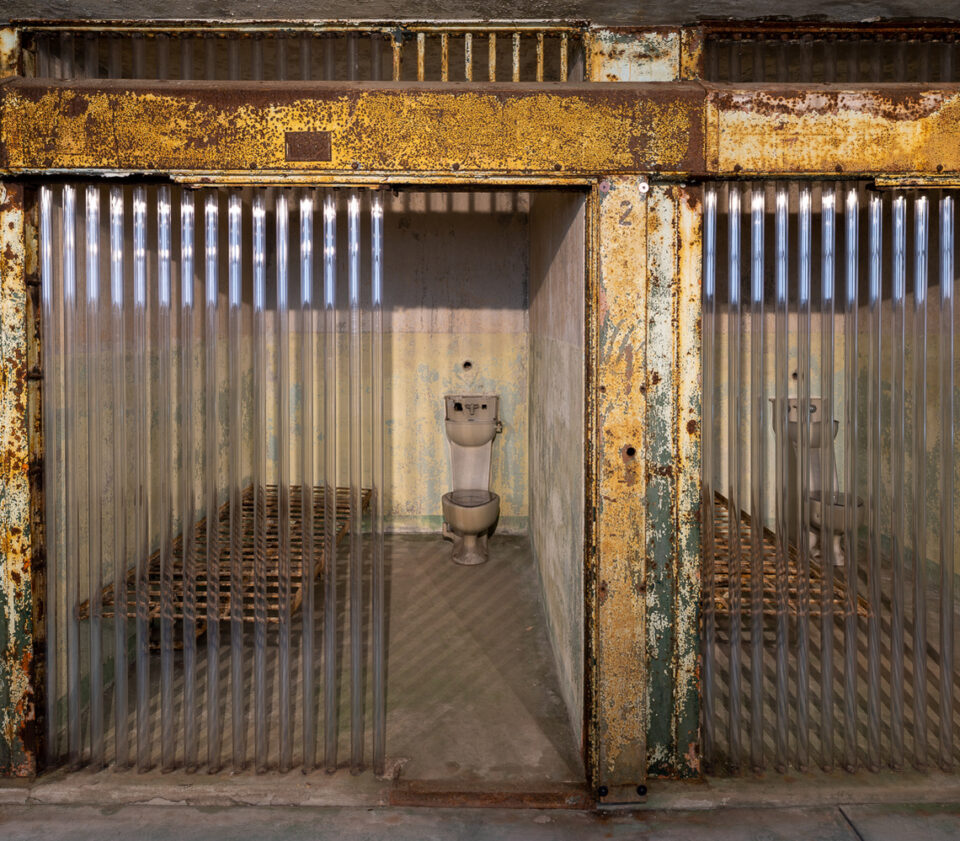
307,146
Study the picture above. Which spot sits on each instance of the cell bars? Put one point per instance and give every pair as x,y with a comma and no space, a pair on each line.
213,510
830,374
522,52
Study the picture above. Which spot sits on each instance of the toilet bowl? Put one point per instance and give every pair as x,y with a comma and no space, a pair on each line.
471,509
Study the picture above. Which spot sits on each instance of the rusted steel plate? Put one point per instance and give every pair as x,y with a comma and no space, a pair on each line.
832,129
618,686
17,736
236,127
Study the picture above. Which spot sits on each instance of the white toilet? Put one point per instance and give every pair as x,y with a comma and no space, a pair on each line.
470,510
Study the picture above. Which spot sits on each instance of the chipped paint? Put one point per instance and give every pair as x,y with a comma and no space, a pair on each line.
618,686
689,388
660,471
17,755
784,129
630,55
691,53
9,52
229,127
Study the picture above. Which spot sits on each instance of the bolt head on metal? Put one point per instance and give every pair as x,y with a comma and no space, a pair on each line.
643,186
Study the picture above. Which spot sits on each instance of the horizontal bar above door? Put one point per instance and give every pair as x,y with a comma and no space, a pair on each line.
224,127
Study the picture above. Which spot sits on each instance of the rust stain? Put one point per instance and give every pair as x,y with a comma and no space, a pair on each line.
235,127
16,657
832,128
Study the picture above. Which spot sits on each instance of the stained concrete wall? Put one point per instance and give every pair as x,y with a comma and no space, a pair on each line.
557,426
455,292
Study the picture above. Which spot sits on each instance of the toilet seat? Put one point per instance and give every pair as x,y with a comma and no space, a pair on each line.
470,498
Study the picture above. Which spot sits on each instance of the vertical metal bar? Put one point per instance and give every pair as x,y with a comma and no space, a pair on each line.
827,469
947,444
757,433
52,362
186,57
210,466
116,59
67,56
396,45
282,59
946,61
539,56
94,474
874,479
444,57
141,336
759,67
162,43
492,56
468,56
899,503
235,477
376,57
356,508
564,56
329,58
233,58
118,464
920,218
803,497
308,550
376,456
330,482
516,56
781,375
306,59
259,480
851,506
710,362
421,49
210,57
187,480
71,318
283,478
353,61
281,44
165,470
256,56
91,57
139,57
733,470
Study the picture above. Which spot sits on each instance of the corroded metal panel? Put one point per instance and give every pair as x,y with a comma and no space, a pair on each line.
9,51
618,686
646,673
631,55
687,432
832,129
460,129
691,53
17,752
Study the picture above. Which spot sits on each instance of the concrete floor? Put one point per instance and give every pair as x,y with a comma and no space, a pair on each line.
153,823
472,697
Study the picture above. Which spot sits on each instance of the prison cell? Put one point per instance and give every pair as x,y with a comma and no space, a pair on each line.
200,479
829,374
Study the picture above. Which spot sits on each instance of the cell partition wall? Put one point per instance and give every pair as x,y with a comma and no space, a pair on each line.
829,477
211,507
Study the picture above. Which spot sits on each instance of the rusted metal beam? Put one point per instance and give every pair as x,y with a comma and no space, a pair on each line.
852,130
618,749
9,51
415,129
17,718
